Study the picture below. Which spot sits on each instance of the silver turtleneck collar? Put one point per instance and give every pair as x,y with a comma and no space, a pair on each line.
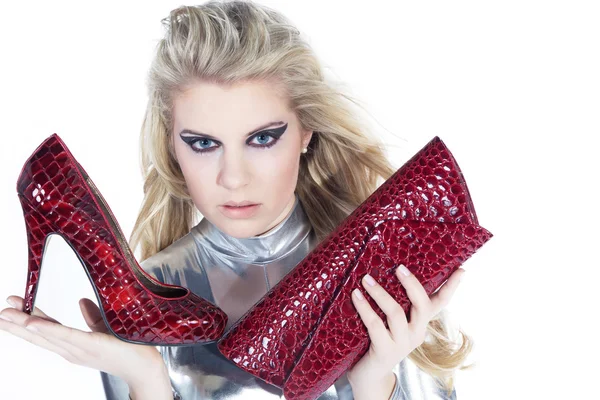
260,249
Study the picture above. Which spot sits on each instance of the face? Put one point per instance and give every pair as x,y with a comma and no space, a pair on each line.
238,144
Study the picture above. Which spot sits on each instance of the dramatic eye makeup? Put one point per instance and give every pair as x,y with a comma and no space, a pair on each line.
265,138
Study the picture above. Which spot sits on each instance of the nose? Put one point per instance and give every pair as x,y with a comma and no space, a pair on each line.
234,173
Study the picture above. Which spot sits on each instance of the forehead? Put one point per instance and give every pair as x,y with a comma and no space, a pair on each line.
217,109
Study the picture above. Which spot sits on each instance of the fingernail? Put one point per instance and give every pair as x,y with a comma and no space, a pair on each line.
11,302
5,318
370,280
31,328
358,294
404,270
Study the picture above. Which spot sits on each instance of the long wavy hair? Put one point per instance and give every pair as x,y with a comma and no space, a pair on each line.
232,41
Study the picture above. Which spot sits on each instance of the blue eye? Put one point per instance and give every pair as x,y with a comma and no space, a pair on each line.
202,144
263,139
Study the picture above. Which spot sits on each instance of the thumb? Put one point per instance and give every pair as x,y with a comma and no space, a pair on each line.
92,316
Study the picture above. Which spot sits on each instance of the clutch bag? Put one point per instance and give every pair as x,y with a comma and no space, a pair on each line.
305,332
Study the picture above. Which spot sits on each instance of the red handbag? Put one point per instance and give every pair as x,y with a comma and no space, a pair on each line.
305,332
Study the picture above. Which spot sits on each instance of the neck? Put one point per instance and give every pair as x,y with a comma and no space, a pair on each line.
263,248
284,215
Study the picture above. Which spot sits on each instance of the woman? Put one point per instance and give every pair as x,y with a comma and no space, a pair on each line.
242,127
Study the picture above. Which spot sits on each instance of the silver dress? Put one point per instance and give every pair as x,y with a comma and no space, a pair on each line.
234,274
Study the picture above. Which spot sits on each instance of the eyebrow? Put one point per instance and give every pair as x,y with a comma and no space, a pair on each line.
248,134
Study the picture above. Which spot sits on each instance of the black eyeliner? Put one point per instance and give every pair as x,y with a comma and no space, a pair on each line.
275,132
193,139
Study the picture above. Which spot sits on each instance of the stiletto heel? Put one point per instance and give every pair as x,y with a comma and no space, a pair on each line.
58,197
305,332
38,230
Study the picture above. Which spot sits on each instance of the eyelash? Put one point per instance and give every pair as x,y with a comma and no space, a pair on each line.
193,141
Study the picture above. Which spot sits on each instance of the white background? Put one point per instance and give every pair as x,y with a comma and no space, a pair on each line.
511,87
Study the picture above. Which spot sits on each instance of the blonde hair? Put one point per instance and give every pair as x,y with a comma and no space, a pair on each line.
232,41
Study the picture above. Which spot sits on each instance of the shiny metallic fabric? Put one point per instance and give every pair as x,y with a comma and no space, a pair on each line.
234,274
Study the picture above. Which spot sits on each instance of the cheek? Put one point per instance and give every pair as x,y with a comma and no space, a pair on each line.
199,174
197,181
275,170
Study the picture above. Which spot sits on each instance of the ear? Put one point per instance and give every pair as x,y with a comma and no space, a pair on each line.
307,135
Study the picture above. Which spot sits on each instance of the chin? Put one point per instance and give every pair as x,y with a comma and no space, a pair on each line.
242,230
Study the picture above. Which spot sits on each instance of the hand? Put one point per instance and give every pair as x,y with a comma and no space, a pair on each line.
98,349
390,346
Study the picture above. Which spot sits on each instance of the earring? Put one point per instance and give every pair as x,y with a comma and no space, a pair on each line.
304,150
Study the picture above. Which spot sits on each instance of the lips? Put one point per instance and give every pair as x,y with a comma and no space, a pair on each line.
240,204
238,212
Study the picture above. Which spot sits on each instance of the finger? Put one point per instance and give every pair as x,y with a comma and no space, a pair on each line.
33,323
379,335
69,339
72,340
19,317
442,297
421,311
92,316
17,303
31,337
396,318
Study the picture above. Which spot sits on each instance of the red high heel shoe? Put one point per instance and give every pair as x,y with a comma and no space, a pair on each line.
305,332
58,197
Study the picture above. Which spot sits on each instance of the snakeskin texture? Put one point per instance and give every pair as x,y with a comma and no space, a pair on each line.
305,333
341,339
57,196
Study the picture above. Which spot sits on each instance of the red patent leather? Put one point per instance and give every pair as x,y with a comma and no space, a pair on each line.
305,332
57,196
